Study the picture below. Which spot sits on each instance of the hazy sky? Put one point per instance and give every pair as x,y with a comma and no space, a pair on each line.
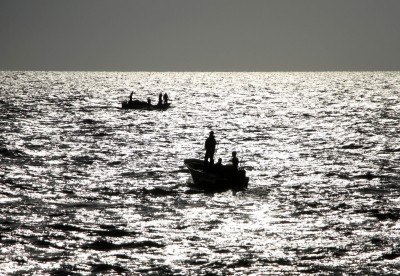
200,35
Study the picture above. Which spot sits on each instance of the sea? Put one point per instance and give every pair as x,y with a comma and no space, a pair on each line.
89,188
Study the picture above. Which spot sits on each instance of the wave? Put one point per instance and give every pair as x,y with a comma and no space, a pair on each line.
104,245
11,152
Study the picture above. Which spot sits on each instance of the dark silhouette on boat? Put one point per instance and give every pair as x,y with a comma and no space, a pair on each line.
210,176
216,177
209,146
136,104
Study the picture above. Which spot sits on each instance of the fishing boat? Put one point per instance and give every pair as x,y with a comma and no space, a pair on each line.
136,104
213,177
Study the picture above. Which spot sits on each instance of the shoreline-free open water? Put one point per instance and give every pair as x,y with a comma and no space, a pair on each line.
88,188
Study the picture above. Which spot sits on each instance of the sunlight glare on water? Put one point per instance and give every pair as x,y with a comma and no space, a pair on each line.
90,188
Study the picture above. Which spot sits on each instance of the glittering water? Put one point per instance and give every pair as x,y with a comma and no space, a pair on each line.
88,188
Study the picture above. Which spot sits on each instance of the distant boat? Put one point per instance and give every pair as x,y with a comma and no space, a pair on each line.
213,178
136,104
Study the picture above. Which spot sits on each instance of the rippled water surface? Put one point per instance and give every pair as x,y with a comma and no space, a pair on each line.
89,188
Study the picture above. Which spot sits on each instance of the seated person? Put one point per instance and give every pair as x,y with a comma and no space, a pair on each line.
165,98
232,168
218,166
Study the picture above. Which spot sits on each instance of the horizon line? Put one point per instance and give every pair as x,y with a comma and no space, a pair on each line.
194,71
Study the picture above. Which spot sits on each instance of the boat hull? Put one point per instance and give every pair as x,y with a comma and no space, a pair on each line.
211,178
144,105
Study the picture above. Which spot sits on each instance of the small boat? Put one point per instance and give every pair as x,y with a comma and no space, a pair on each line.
212,178
136,104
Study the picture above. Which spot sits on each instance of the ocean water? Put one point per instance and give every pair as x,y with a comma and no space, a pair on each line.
87,188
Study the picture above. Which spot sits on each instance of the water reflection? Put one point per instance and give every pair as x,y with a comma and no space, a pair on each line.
89,188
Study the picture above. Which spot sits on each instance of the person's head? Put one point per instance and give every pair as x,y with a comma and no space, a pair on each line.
211,133
234,153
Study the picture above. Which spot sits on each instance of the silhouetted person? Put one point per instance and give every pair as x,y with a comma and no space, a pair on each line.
210,148
218,166
149,101
235,161
130,97
165,98
160,99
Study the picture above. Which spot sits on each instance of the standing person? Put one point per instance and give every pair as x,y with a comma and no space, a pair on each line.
130,97
160,99
165,98
235,161
210,148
